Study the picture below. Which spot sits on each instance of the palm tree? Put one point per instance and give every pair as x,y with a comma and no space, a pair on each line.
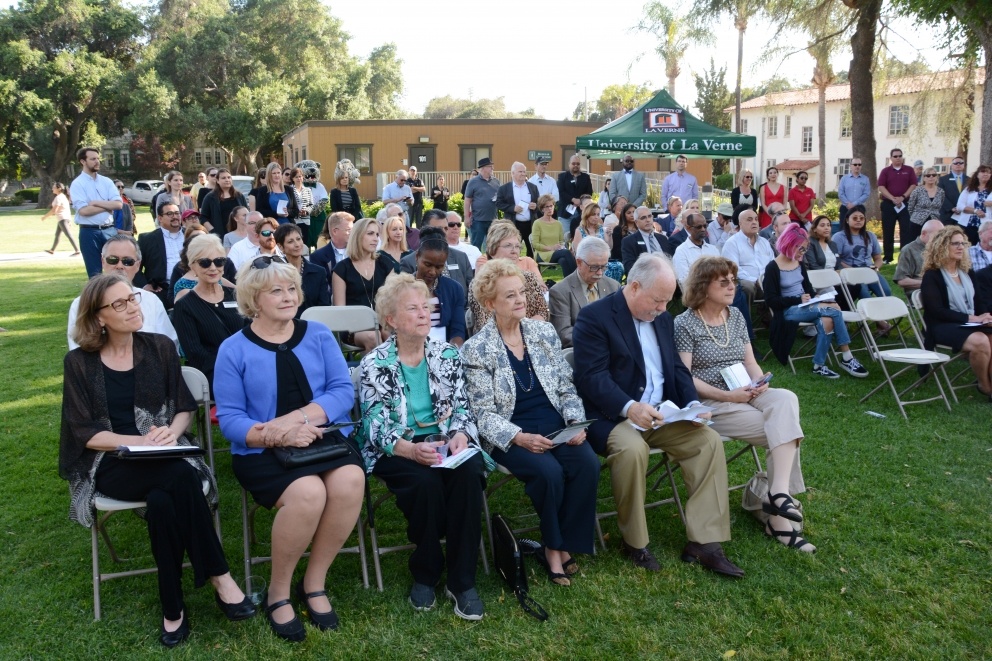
823,77
674,34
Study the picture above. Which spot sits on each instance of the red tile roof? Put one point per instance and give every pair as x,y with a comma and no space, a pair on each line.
794,164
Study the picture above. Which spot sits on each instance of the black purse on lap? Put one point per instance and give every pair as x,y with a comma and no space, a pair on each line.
333,445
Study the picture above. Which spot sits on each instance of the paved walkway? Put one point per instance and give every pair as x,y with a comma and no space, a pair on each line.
60,256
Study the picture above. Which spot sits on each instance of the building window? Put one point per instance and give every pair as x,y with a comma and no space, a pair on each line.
198,158
359,155
743,126
108,160
208,157
773,127
770,163
807,147
217,158
787,129
472,154
304,152
843,166
125,157
898,120
845,123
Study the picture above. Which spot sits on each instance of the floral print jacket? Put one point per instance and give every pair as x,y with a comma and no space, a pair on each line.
383,399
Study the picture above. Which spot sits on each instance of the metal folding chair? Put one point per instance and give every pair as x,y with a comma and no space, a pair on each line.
825,278
855,277
343,319
916,306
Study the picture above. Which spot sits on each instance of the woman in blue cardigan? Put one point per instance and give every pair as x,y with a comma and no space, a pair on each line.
267,400
447,297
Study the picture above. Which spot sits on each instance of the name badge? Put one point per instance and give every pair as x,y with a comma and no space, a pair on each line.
452,267
230,304
640,243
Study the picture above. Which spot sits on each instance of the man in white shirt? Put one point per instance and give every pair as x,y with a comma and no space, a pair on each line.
95,199
545,185
121,255
399,193
750,252
694,247
679,183
453,235
722,227
247,248
981,255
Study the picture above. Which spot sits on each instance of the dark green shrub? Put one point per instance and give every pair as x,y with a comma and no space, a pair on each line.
832,195
724,181
27,195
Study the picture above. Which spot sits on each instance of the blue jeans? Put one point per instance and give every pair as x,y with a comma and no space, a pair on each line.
479,230
881,289
91,242
813,314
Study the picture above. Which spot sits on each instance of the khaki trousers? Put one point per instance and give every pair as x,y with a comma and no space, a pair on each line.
699,452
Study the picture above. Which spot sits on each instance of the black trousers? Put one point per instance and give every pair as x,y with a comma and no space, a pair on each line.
562,486
525,227
439,502
178,520
566,260
889,220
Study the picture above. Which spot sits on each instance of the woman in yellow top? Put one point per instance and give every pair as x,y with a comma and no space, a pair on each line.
547,235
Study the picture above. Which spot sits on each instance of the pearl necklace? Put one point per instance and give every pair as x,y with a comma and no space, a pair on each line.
726,328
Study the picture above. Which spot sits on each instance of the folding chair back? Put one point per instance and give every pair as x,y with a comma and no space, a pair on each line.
343,319
199,387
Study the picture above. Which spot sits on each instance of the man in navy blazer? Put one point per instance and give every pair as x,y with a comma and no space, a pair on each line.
625,365
952,184
339,229
517,199
635,244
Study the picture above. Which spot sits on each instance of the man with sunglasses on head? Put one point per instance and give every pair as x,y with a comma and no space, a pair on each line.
261,239
458,267
952,184
161,249
854,189
121,254
780,220
95,199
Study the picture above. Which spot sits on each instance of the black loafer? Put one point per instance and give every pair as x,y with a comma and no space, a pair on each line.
172,638
292,631
323,621
711,557
236,612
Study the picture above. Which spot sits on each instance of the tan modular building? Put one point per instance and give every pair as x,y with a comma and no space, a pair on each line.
451,147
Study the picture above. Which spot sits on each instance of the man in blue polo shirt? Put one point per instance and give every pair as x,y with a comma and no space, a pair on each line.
95,199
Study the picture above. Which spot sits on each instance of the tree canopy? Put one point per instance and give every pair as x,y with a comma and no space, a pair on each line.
448,107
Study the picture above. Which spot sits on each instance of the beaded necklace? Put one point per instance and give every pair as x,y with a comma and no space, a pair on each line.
726,328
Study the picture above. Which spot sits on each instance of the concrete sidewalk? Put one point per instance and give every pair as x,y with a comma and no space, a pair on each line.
60,256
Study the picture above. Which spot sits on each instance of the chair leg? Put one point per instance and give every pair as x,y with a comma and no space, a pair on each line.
599,533
96,571
363,560
101,524
246,545
489,524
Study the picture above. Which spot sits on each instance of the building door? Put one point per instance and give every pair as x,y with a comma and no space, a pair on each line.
422,158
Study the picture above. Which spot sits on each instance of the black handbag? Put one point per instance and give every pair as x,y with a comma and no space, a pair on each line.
509,561
332,445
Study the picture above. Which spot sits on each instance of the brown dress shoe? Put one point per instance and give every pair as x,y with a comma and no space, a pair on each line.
642,558
711,557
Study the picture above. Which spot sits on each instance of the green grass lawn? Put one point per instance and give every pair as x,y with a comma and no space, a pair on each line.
899,511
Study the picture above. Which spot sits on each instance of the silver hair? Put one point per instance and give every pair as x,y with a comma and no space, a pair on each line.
121,238
591,245
648,268
985,226
454,214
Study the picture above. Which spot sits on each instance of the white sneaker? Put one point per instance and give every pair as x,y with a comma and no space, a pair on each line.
809,331
826,372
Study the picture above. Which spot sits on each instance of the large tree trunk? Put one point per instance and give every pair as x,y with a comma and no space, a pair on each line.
740,22
821,189
862,97
984,33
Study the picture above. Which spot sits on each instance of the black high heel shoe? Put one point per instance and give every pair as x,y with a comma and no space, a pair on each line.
323,621
236,612
172,638
293,630
787,509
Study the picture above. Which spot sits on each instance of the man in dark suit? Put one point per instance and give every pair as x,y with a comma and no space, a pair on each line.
573,183
642,241
583,286
625,365
983,290
952,184
339,228
160,250
517,199
459,269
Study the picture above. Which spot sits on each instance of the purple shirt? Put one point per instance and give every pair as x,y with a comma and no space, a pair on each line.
897,182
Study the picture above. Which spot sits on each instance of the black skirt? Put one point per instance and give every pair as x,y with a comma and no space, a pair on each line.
955,335
265,478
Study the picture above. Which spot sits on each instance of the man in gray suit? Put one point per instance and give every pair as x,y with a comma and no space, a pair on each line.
629,183
459,268
582,287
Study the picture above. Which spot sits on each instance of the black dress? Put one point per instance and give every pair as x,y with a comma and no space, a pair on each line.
262,474
358,290
202,327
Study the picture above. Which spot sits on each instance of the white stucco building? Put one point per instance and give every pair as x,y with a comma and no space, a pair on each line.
912,113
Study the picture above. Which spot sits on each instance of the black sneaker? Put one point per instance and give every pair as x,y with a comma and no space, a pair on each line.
826,372
468,604
422,597
642,558
854,368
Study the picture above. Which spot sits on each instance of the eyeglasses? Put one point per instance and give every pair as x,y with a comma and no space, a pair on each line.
727,282
170,213
266,233
510,246
216,261
113,260
265,261
595,268
931,174
212,174
855,165
802,249
121,303
959,244
454,224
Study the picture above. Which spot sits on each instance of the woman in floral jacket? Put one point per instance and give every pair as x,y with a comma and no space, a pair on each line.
412,388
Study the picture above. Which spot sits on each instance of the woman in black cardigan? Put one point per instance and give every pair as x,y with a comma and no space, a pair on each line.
316,291
344,197
258,198
220,202
949,301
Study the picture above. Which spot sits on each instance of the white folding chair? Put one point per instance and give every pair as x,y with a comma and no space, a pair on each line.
890,308
824,279
855,277
198,386
916,306
343,319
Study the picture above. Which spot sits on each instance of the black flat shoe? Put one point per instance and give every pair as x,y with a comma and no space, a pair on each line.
786,509
172,638
236,612
292,631
324,621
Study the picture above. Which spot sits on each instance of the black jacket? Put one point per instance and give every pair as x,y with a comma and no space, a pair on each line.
261,195
355,208
316,290
782,334
633,245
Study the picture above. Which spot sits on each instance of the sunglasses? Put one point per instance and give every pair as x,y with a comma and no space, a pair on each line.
216,261
958,163
113,260
120,188
727,282
930,175
266,233
265,261
121,303
855,165
454,224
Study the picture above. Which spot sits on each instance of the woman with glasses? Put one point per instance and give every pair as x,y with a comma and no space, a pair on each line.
503,242
62,210
219,202
949,303
801,200
710,337
975,203
315,289
181,278
521,391
277,382
743,192
788,292
208,314
413,391
924,203
125,387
